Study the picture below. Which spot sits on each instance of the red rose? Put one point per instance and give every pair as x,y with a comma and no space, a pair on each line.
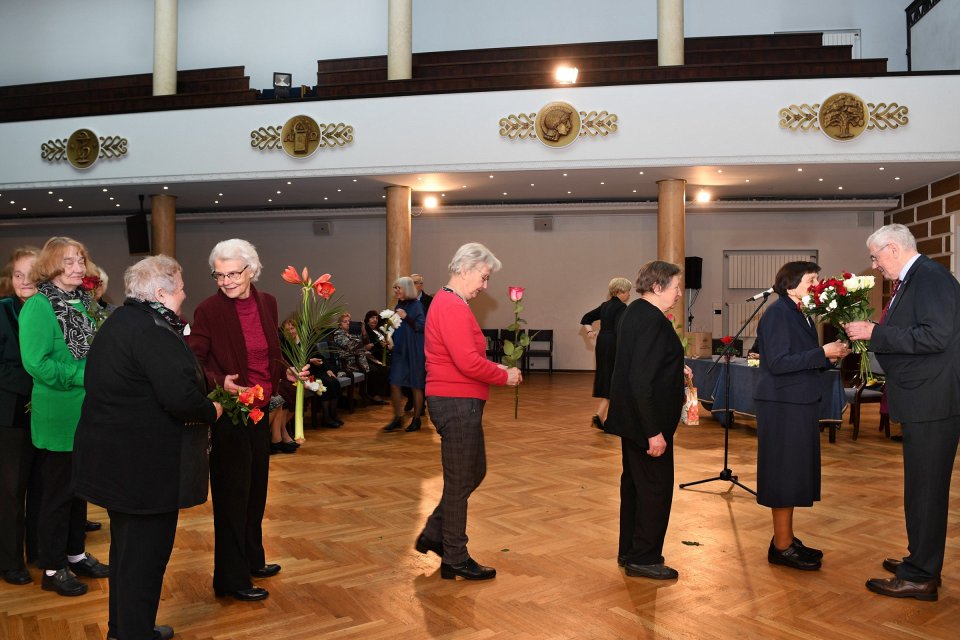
516,294
90,283
726,339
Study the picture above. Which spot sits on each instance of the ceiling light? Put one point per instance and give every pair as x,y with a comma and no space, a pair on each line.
24,208
15,202
504,193
819,179
602,183
59,199
220,194
118,204
354,179
719,170
532,184
421,179
430,202
288,182
641,173
339,190
897,178
269,199
279,192
49,193
634,190
111,197
463,186
703,196
840,188
564,175
165,188
325,198
747,180
800,169
492,176
566,75
443,195
216,202
105,190
69,206
569,192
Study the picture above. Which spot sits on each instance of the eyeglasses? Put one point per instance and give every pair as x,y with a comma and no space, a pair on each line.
874,258
233,276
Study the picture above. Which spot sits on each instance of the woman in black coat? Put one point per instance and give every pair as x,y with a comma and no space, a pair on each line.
141,444
646,397
788,401
606,350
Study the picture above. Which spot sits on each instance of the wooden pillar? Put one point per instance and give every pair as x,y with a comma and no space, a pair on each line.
400,40
398,238
164,47
672,231
163,225
669,32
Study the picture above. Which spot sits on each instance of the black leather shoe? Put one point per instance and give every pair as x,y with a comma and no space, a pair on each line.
810,552
266,571
90,567
655,571
414,425
395,424
162,630
792,557
597,422
468,570
425,544
621,561
331,424
282,447
897,588
17,576
92,526
245,595
891,564
64,583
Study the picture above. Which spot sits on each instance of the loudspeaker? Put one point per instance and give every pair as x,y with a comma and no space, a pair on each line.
138,235
693,272
322,228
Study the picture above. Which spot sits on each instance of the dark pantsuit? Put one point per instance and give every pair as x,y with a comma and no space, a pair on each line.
16,462
140,546
929,449
62,517
239,467
459,423
646,496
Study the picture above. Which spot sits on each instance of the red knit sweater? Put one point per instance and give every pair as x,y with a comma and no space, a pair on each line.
457,365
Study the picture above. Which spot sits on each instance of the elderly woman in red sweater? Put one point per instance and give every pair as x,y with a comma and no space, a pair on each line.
458,382
235,339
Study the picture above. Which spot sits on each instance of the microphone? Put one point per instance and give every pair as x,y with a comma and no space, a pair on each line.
762,294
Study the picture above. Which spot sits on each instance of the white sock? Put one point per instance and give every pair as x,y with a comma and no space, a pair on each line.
77,558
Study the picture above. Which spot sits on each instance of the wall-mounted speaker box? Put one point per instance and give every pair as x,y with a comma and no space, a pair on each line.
322,228
543,223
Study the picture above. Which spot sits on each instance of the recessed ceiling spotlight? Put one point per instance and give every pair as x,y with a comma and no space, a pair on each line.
220,194
564,175
880,168
420,179
504,193
354,179
443,195
105,189
325,198
118,204
569,192
719,170
15,202
747,180
279,192
111,197
840,188
383,196
799,169
532,184
897,178
634,190
602,183
216,202
288,182
24,208
49,193
165,188
641,173
269,199
463,186
490,176
59,199
69,206
819,179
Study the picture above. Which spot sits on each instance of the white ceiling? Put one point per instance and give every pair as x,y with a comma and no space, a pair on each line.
340,194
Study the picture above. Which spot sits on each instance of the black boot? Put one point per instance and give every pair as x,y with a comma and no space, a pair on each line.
395,424
414,425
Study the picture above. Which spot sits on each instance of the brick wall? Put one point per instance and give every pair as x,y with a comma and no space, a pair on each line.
927,212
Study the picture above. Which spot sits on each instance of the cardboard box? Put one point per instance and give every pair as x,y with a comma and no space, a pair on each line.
699,344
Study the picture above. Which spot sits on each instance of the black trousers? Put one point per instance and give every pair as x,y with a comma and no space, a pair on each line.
140,546
239,468
62,519
16,462
929,449
459,421
646,496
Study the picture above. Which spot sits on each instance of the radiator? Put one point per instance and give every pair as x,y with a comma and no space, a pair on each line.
757,270
850,37
737,314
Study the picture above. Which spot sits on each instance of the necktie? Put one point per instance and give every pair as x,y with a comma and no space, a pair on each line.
893,294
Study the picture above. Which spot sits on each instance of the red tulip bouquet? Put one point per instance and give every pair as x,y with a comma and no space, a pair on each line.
316,318
513,350
239,407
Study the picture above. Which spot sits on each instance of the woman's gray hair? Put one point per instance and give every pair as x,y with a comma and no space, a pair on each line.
470,256
896,233
407,287
236,249
142,280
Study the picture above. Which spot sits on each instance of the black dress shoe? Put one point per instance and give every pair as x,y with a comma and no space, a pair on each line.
395,424
897,588
90,567
891,564
17,576
597,422
64,583
245,595
414,425
425,544
468,570
331,424
792,557
92,526
658,571
162,630
809,552
266,571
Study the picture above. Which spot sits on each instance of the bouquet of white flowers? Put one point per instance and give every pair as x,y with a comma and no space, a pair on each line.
390,322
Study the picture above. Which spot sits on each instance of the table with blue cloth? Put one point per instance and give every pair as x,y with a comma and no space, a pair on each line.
710,390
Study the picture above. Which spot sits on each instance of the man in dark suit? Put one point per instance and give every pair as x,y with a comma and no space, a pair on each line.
424,298
918,344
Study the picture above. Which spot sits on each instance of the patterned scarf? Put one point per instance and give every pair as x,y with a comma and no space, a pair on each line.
77,328
170,317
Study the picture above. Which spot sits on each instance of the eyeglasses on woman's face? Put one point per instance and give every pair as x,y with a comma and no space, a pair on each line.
233,276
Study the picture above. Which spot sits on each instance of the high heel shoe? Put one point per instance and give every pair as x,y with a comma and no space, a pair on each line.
414,425
395,424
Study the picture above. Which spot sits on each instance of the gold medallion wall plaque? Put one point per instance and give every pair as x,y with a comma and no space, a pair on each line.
558,124
301,136
83,148
844,116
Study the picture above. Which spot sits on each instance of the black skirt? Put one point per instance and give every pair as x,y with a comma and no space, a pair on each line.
788,454
606,352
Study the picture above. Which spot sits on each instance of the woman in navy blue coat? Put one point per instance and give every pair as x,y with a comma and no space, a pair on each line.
788,402
409,366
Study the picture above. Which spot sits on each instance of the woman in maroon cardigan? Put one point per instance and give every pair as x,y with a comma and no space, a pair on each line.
235,340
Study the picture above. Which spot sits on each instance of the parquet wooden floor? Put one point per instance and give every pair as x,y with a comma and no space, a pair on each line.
343,513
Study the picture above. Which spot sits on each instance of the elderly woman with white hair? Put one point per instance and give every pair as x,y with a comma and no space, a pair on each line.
234,336
141,445
458,384
409,366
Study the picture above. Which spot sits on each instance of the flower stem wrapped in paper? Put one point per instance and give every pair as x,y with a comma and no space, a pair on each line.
841,300
239,407
315,318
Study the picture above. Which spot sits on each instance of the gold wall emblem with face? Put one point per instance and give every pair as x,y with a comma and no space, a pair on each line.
83,148
843,116
558,124
300,136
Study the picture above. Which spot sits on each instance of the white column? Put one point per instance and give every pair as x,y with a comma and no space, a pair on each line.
164,47
400,40
669,32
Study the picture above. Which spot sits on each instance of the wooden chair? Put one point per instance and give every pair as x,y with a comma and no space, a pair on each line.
541,346
860,394
492,336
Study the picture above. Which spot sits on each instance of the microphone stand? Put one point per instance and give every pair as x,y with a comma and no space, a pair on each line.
727,473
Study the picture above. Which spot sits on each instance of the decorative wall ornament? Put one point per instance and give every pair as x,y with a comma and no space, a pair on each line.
83,148
558,124
844,116
301,136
